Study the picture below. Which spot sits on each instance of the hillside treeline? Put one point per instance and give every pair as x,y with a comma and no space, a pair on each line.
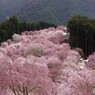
13,25
82,33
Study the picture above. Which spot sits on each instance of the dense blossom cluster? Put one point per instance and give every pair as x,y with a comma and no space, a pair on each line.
41,63
91,61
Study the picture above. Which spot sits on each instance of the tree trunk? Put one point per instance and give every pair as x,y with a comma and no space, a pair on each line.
25,91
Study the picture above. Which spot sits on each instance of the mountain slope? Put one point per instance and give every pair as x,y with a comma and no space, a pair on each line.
58,11
2,11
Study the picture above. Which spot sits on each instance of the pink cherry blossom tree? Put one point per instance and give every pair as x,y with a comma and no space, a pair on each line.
76,82
26,79
40,63
55,66
91,61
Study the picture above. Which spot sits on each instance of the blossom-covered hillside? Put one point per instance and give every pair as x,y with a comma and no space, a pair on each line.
42,63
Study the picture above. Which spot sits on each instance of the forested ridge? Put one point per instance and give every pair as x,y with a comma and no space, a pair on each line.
56,11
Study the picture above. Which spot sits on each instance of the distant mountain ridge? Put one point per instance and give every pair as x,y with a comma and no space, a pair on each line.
56,11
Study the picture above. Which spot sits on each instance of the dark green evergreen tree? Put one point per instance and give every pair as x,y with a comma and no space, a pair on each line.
82,33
